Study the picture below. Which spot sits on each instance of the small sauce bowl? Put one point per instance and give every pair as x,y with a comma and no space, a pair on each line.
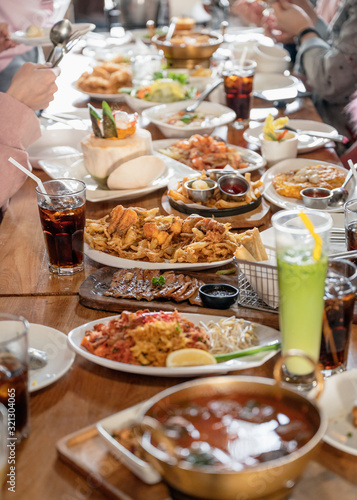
200,195
316,197
216,173
218,295
233,187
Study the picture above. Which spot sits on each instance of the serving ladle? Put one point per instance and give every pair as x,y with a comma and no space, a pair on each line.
340,194
59,34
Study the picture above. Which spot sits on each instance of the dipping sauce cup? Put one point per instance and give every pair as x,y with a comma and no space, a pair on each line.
301,277
340,288
238,86
14,375
62,214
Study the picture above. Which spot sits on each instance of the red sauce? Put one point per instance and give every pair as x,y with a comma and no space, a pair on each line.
233,189
317,194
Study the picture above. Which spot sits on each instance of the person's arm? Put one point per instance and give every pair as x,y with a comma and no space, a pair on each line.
19,127
5,42
32,88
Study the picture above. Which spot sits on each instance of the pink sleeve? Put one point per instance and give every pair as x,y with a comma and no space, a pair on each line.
19,127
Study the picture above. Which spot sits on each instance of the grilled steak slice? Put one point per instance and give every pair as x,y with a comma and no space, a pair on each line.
172,283
147,290
195,299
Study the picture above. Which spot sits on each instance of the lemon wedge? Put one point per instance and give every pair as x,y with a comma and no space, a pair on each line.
316,254
189,357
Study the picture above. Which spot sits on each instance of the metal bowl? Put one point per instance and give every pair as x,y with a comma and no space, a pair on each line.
200,195
188,55
316,197
271,480
233,187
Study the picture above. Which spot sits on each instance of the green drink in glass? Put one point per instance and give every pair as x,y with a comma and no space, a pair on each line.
302,267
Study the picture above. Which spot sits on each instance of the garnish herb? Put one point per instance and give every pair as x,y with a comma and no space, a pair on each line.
158,281
188,117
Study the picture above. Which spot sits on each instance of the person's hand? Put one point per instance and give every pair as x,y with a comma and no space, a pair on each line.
290,18
5,42
34,85
250,12
270,30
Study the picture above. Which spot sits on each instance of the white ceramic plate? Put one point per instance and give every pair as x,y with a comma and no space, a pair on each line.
337,401
112,261
296,164
21,36
306,143
57,143
254,159
222,116
60,357
67,168
264,333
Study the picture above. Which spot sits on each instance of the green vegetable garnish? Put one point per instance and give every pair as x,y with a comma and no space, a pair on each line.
247,352
349,434
225,272
95,119
188,117
109,125
158,281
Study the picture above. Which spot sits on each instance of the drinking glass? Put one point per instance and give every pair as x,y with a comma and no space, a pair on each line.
238,86
351,225
340,288
3,447
144,66
62,214
301,278
14,374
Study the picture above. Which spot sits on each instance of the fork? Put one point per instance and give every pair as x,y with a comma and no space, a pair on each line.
316,133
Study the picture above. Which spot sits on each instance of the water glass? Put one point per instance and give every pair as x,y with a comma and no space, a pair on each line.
144,66
339,300
14,365
62,214
301,278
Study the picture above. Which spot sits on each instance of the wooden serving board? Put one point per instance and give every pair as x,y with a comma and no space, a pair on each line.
255,218
87,453
91,294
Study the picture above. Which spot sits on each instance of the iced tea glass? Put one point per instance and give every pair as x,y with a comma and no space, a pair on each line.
238,86
340,288
62,213
351,225
14,375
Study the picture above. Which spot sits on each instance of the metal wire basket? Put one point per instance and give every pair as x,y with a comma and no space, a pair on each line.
258,284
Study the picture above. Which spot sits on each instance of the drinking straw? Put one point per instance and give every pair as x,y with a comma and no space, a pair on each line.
353,168
27,172
327,333
318,242
243,57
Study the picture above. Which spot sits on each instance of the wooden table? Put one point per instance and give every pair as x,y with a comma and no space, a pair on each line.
89,392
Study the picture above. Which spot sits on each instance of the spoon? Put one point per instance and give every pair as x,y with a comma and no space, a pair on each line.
37,358
340,194
171,29
59,34
205,93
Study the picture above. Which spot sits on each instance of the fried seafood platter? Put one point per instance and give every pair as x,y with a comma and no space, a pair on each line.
290,184
142,235
106,78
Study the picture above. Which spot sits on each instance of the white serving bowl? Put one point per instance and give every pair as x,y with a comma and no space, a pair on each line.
275,151
222,116
271,59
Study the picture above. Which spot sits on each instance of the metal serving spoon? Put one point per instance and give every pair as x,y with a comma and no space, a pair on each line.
340,194
37,358
59,34
205,93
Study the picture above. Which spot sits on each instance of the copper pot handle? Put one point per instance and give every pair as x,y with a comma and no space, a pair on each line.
292,353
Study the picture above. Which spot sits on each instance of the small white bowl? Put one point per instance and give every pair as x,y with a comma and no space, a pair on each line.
221,116
275,151
271,59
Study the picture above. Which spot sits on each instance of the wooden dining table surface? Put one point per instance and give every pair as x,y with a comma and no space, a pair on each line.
89,392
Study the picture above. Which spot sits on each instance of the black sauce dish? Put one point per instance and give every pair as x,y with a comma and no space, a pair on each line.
218,295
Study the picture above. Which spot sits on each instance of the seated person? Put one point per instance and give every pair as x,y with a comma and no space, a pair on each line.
31,89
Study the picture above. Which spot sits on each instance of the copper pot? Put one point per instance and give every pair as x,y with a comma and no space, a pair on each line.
272,480
188,55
